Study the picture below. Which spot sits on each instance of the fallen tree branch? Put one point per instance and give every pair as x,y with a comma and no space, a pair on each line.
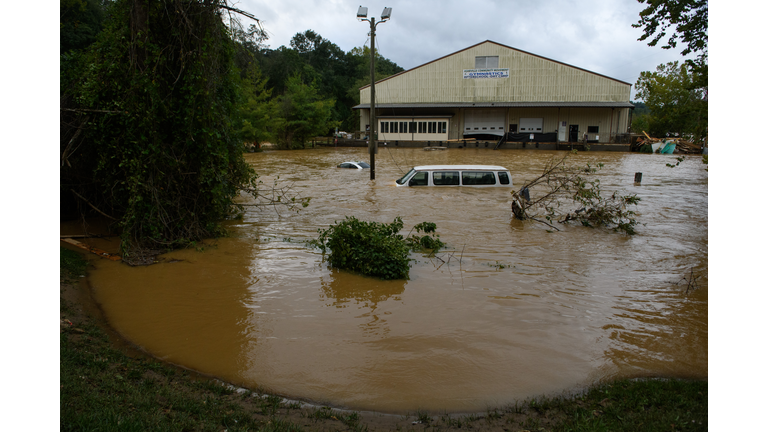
69,150
565,193
241,12
92,206
92,110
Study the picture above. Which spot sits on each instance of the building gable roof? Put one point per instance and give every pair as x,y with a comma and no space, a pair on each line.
501,45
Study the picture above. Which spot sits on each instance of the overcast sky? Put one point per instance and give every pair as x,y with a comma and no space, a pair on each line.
596,35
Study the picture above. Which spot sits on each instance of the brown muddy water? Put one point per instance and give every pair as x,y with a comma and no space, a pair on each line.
524,312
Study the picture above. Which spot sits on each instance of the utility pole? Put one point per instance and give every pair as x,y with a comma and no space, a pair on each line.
373,144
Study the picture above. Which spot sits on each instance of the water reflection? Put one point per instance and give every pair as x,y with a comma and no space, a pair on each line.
365,294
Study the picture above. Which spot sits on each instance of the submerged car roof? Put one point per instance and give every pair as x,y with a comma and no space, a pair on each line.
460,167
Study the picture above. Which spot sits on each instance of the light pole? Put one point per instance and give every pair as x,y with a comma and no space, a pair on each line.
373,147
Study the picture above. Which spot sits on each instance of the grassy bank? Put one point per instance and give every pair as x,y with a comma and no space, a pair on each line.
104,388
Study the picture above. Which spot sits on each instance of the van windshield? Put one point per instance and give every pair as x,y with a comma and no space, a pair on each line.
401,180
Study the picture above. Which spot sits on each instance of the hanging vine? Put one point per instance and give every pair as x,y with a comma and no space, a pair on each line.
158,150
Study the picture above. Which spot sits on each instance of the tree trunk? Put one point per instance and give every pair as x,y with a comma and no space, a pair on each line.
139,30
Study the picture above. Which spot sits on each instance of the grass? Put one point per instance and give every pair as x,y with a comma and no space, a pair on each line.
72,263
102,388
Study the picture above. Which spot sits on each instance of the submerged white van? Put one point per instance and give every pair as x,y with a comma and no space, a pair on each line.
457,175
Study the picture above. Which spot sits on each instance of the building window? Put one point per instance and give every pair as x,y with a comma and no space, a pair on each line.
593,129
441,127
393,127
422,127
412,127
384,127
486,62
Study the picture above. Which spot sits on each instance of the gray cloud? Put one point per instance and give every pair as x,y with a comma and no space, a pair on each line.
592,34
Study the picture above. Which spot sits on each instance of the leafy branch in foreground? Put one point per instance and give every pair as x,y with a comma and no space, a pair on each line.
564,193
430,241
275,196
374,248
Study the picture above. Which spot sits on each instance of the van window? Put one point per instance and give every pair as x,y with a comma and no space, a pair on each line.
477,178
401,180
503,177
445,178
419,179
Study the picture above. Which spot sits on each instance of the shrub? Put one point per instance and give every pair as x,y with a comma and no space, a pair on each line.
374,248
371,248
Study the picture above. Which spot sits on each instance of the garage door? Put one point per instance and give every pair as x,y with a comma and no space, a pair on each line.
484,122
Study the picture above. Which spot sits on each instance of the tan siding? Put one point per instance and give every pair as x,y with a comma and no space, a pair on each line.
531,79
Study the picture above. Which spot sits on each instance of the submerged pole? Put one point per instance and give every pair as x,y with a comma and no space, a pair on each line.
372,146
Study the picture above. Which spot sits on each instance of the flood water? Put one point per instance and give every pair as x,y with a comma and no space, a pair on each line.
513,310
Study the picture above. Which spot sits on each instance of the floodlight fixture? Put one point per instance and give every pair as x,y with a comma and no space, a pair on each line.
386,13
362,12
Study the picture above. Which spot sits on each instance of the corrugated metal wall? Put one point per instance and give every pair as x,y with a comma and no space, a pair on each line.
531,79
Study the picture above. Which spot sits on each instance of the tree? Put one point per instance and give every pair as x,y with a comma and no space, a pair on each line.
640,116
690,19
257,113
80,22
676,105
155,147
334,70
336,75
302,114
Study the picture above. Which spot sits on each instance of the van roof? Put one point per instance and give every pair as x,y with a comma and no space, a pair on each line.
460,167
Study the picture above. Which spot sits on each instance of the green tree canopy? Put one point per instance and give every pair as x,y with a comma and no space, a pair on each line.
80,23
302,113
679,20
257,112
337,75
675,105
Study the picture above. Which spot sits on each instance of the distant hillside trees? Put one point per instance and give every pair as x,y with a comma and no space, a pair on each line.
337,75
302,113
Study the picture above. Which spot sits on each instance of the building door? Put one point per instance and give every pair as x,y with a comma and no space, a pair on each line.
573,133
484,122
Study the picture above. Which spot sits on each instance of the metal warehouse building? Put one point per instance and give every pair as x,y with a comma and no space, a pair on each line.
490,91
